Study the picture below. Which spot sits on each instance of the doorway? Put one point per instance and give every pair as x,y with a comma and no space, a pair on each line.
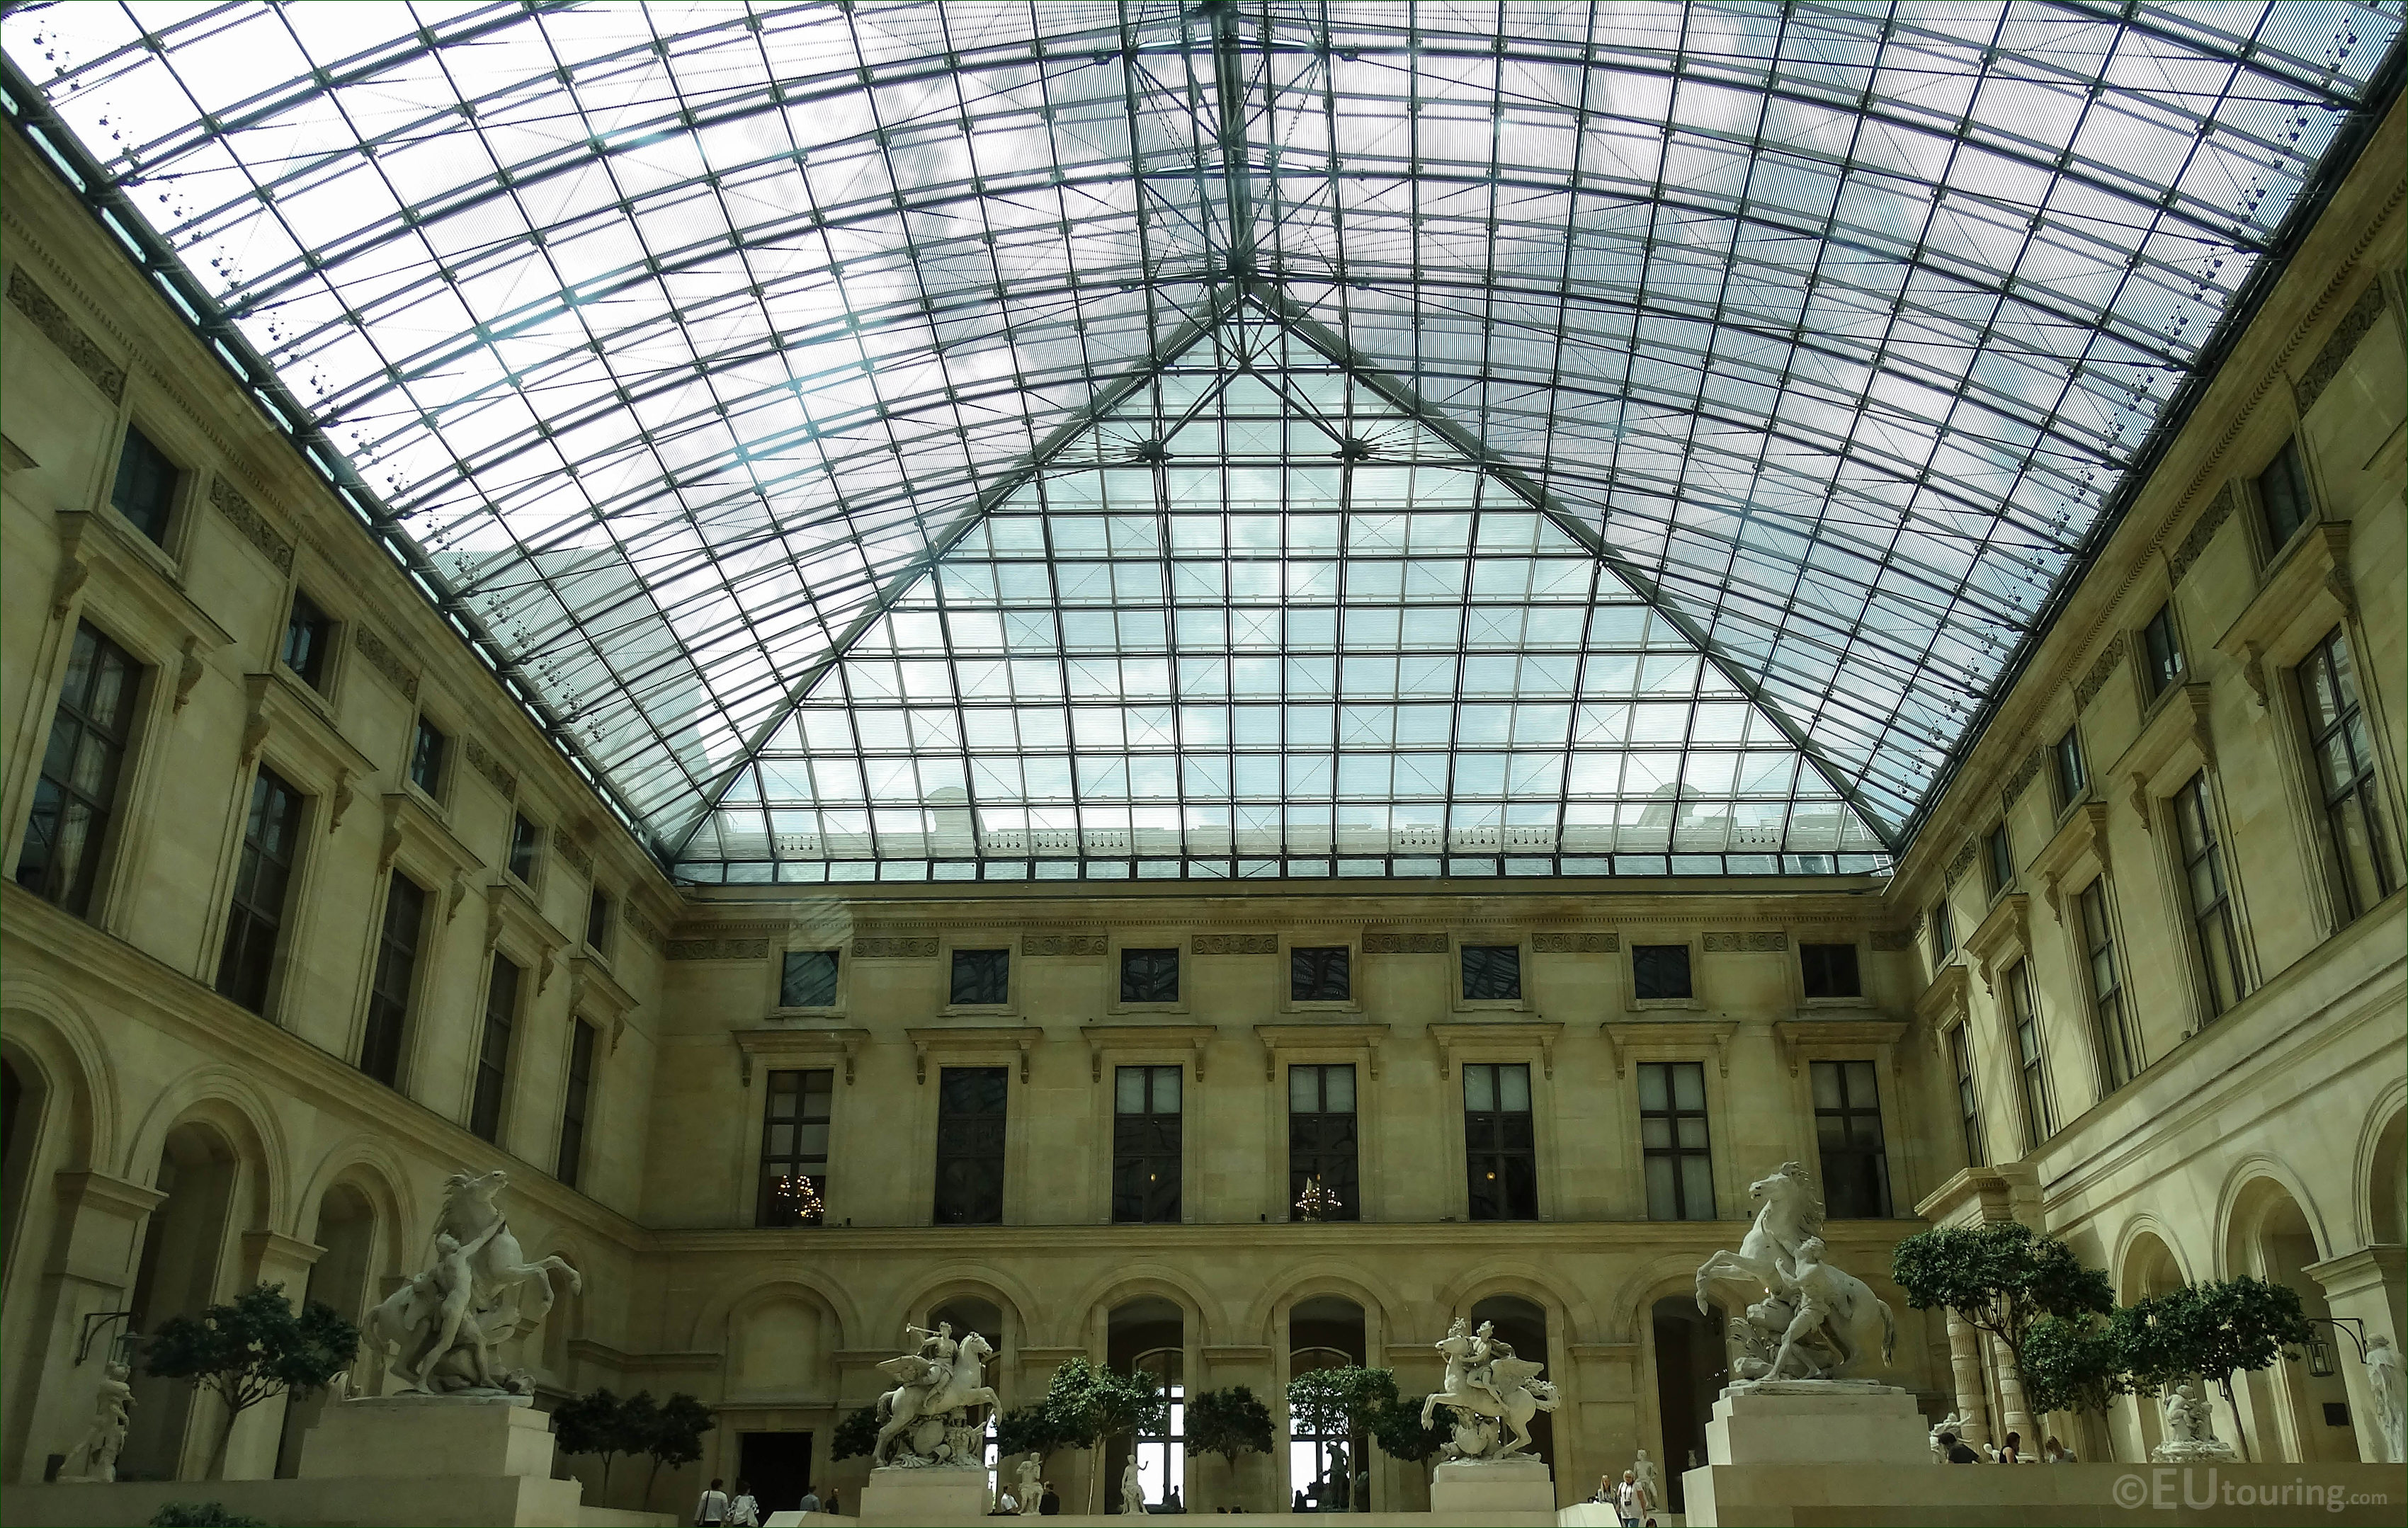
1689,1363
779,1466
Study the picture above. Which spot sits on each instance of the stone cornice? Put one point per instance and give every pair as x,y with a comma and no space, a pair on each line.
1681,1039
1497,1035
1364,1040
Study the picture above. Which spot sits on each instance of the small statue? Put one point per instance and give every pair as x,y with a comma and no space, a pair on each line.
106,1436
1642,1469
2189,1426
2383,1378
1132,1489
1032,1484
1954,1425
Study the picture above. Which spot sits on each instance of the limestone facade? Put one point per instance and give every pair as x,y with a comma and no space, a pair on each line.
168,1144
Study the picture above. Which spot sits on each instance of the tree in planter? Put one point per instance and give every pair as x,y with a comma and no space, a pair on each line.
251,1351
856,1435
1396,1427
1228,1423
675,1436
1087,1407
1349,1400
1999,1277
2073,1364
600,1424
1027,1430
2215,1331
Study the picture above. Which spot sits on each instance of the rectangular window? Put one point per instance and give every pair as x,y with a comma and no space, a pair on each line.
794,1149
1968,1113
309,641
2072,776
1499,1146
1848,1134
2118,1047
575,1108
2032,1062
598,922
1492,973
2209,895
1150,976
405,925
1998,858
2283,494
1320,974
970,1102
1146,1142
145,490
1831,970
526,842
427,757
272,849
494,1050
1943,931
2366,856
1672,1134
1660,971
981,976
2161,658
1321,1138
76,793
807,980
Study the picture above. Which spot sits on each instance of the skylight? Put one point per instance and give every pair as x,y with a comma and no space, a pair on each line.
718,364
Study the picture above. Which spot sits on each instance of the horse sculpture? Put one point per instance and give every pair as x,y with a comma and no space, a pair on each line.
447,1320
1814,1321
1502,1388
929,1392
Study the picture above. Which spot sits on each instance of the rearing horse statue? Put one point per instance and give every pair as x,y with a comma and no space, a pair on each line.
948,1388
499,1267
1856,1320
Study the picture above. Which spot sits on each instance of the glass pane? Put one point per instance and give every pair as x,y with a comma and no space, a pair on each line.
1826,1085
1654,1092
1166,1081
1514,1088
1304,1090
1130,1090
1698,1188
1689,1086
1480,1088
1861,1085
1339,1094
1663,1199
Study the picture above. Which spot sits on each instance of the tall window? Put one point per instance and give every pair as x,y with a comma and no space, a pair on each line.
309,641
426,750
1848,1134
2118,1043
794,1147
1150,976
1321,1138
1968,1113
2065,761
1320,974
1672,1134
1831,970
493,1049
1492,973
1660,971
2368,858
76,792
1943,931
2161,655
1162,1457
2283,494
970,1102
2209,895
1500,1151
526,842
981,976
1145,1143
2032,1064
405,925
578,1103
145,490
1999,858
271,847
598,922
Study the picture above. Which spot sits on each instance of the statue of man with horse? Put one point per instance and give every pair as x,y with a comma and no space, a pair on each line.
1811,1320
1492,1392
932,1416
479,1292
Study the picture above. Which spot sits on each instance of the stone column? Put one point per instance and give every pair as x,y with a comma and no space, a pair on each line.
89,1272
2365,1286
2015,1417
1965,1363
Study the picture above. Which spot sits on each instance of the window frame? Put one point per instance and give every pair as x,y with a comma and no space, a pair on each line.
1349,1197
598,897
1118,943
1998,868
2068,790
1464,940
2294,451
836,1005
764,1159
2028,1039
951,968
1002,1155
1848,1112
2156,679
2364,790
1944,929
483,1063
2122,1055
447,749
1351,940
578,1097
1965,1064
533,875
1500,1154
1807,997
86,897
420,954
1128,1159
319,676
2223,911
304,820
1631,944
1676,1152
185,464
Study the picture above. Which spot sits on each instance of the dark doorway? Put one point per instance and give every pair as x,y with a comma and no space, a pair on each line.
1689,1362
779,1466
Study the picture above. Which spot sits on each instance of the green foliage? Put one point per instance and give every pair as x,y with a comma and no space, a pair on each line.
251,1351
606,1426
1228,1423
1396,1427
2073,1364
1999,1277
1028,1429
1351,1400
674,1436
200,1515
857,1434
1085,1405
2215,1330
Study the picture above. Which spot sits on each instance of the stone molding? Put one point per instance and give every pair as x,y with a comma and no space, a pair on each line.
1674,1039
2354,327
718,949
895,949
1575,943
82,350
1236,944
1062,944
244,516
2203,531
1752,941
1392,942
2100,671
379,655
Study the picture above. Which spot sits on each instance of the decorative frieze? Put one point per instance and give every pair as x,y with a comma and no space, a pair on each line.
1394,943
68,335
2203,531
1061,944
718,949
895,949
1962,863
2328,362
1751,941
570,853
244,516
2024,774
381,658
1237,944
2096,680
1894,938
649,932
1575,943
483,761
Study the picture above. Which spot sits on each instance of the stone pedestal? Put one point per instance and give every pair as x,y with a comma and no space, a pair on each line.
387,1437
931,1496
1818,1422
1514,1490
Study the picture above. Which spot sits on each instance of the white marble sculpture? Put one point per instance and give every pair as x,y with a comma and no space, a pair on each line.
1954,1425
1132,1490
110,1406
1490,1391
2190,1427
2383,1378
1814,1321
1642,1469
479,1292
935,1414
1032,1485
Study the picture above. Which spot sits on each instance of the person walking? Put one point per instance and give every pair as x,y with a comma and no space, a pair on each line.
1629,1502
810,1502
713,1510
743,1510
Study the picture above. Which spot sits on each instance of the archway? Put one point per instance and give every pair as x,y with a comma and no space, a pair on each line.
1149,1335
2149,1268
1324,1331
2387,1184
342,1278
1690,1366
2290,1413
22,1098
183,1257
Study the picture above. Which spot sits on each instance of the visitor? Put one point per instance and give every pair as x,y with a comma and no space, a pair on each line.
2054,1452
1956,1452
1171,1503
1604,1497
1005,1507
2012,1452
810,1502
712,1508
832,1508
1049,1504
744,1511
1299,1504
1629,1502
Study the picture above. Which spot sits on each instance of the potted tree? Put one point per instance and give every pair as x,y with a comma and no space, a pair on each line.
1228,1423
1087,1406
2215,1331
246,1352
1999,1277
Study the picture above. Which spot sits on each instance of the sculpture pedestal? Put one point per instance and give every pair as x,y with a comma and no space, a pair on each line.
1494,1492
935,1495
1818,1422
438,1458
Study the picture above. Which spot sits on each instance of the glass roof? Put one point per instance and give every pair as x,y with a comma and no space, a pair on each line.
1240,437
